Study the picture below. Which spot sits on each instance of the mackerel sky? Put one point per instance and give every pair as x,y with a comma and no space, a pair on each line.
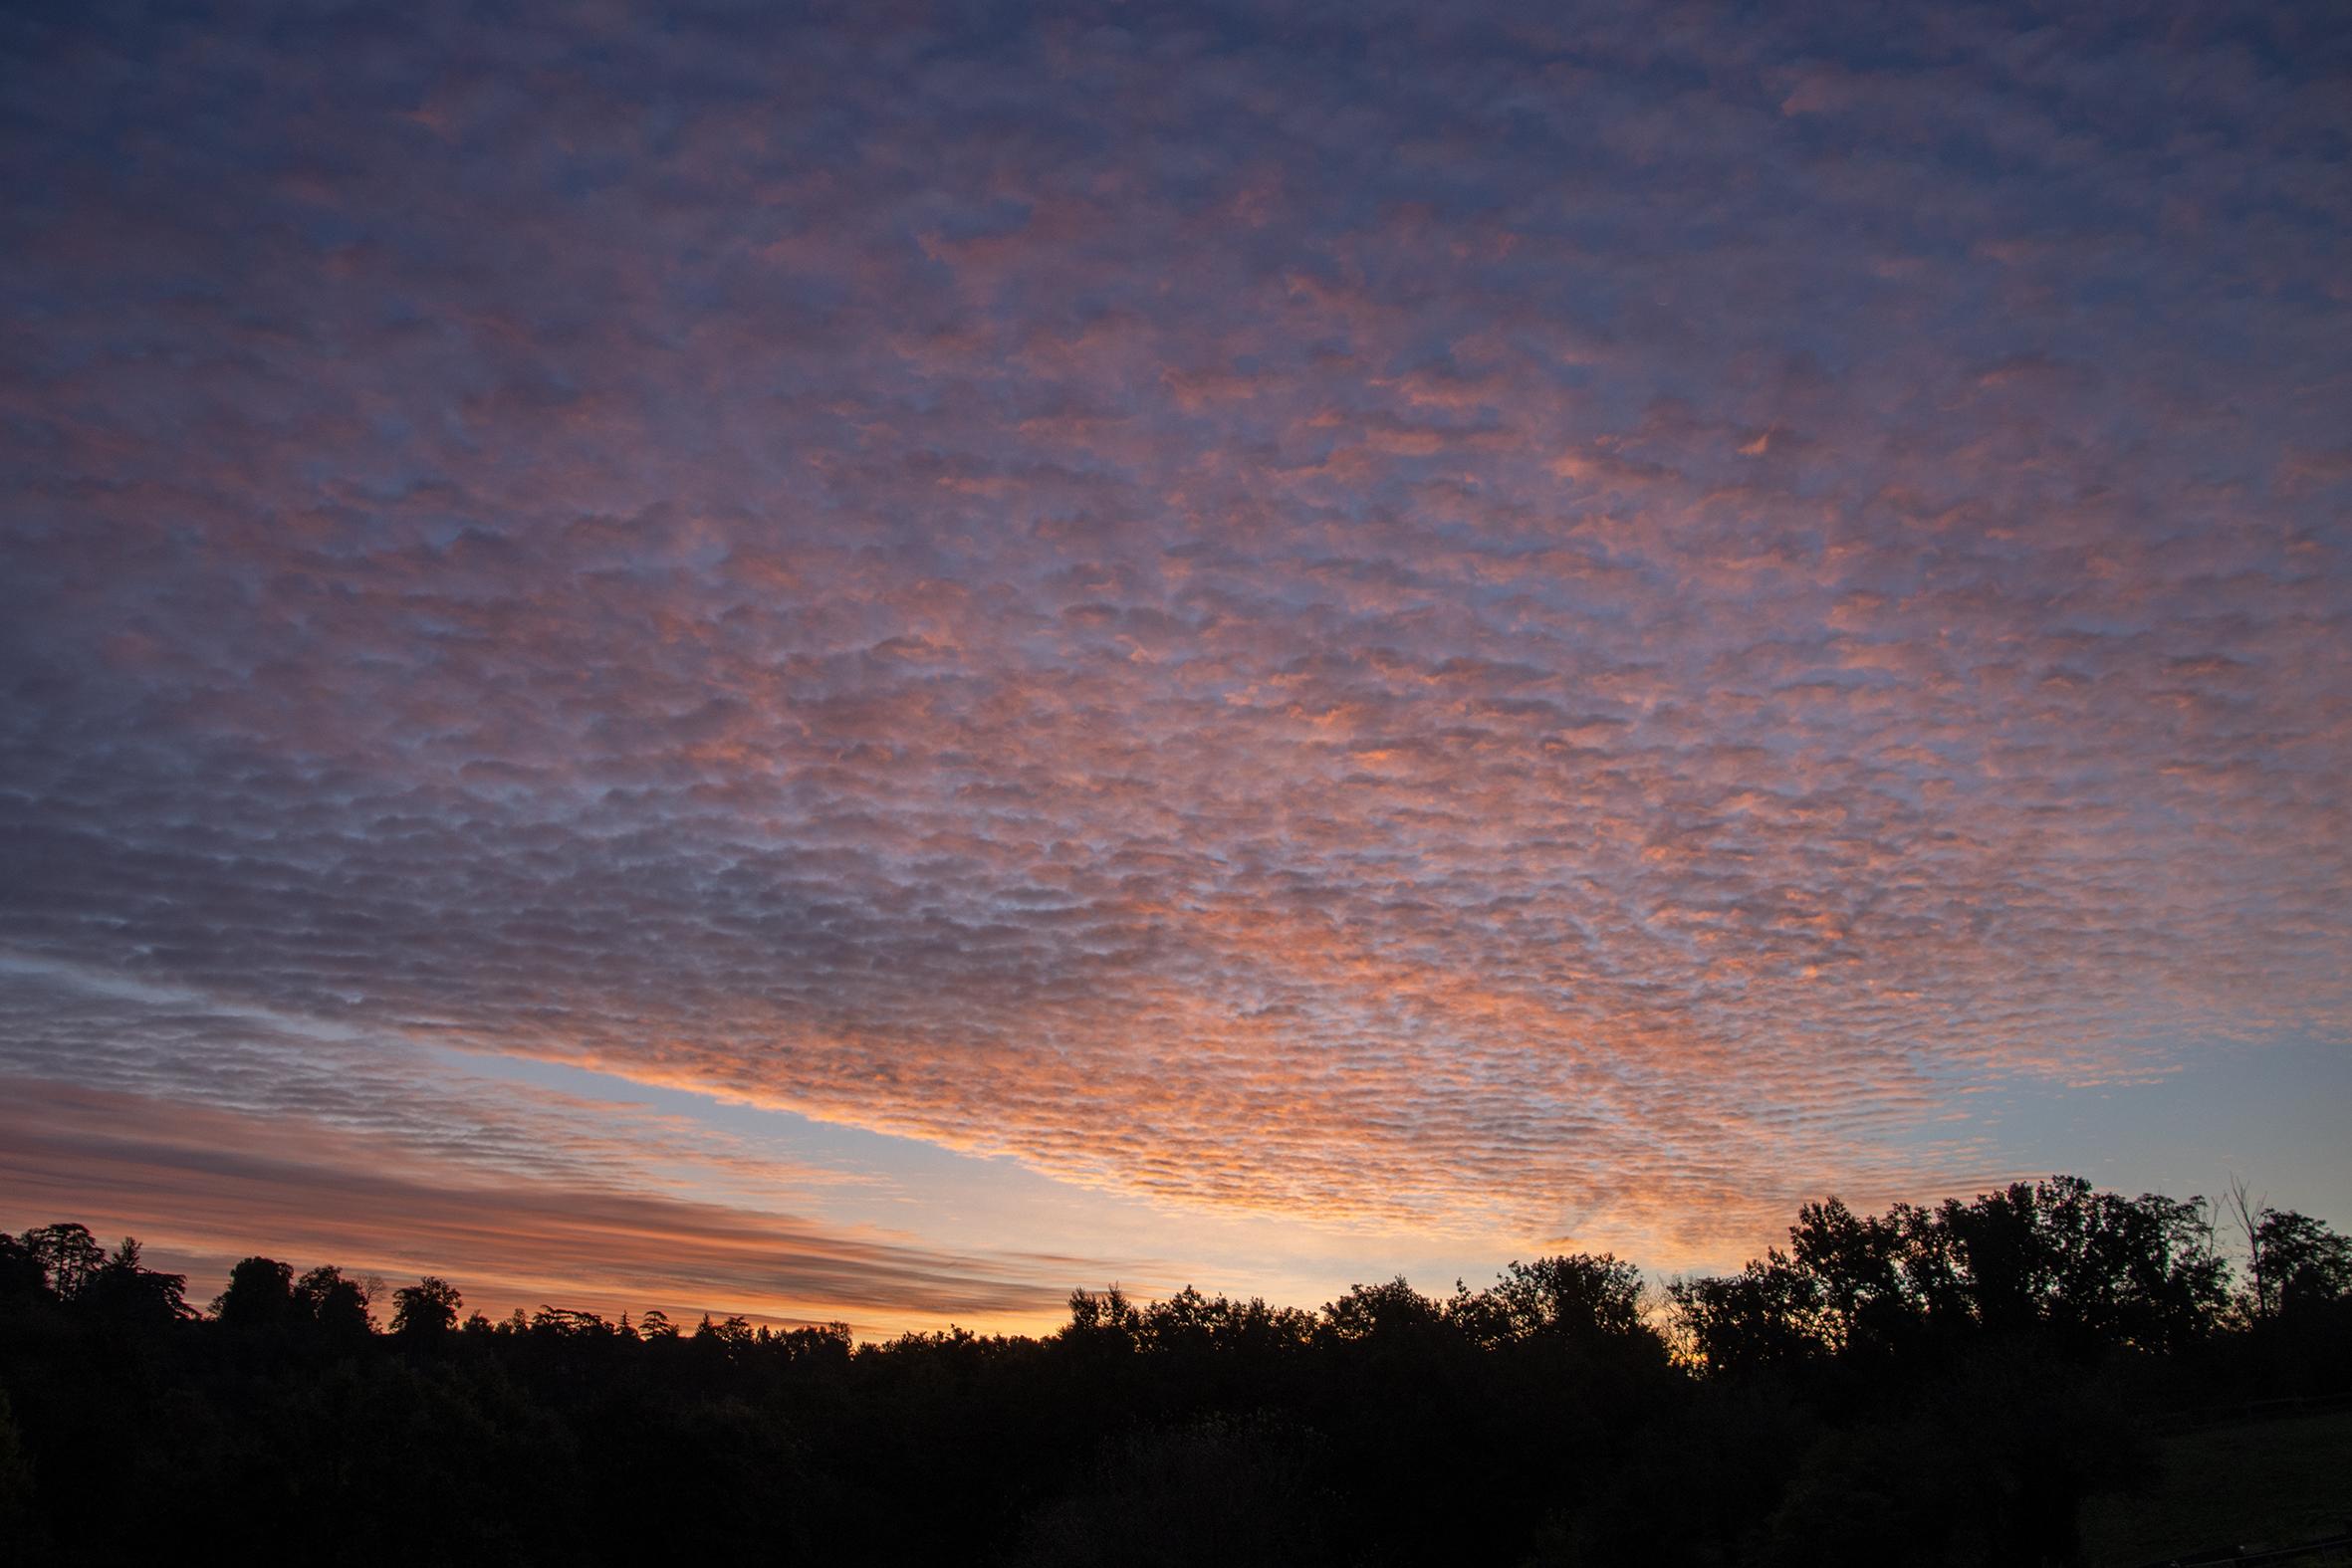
872,662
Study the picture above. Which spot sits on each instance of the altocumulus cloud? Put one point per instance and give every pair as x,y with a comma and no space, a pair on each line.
1419,617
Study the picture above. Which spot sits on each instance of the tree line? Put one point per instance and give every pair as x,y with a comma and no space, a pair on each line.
1932,1385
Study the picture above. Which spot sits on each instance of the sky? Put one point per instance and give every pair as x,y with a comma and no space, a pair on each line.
874,661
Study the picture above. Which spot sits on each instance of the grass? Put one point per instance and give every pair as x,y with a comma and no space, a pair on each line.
2271,1482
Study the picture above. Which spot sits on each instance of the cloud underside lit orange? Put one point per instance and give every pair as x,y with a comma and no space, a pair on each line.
190,1181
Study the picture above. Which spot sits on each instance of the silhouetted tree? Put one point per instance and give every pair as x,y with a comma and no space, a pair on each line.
67,1255
2092,1268
1857,1267
1104,1318
1582,1297
1766,1315
2054,1259
427,1310
130,1295
574,1325
730,1336
259,1295
22,1277
338,1305
2300,1265
1934,1385
1390,1314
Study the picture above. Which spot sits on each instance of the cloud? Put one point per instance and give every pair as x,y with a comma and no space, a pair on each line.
1394,622
195,1179
214,1132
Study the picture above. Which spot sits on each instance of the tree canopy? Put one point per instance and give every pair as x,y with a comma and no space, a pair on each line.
1936,1384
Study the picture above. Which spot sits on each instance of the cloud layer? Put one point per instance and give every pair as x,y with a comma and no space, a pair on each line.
1455,623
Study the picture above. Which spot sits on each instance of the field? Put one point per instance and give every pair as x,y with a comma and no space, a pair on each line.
2267,1482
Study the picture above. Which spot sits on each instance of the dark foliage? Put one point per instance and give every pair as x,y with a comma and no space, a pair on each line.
1936,1386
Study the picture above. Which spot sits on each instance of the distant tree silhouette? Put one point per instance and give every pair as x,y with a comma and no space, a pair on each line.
1766,1315
2054,1261
2301,1265
1104,1317
1861,1301
67,1255
1388,1314
2089,1268
259,1295
22,1277
339,1306
127,1293
1582,1296
1933,1385
427,1310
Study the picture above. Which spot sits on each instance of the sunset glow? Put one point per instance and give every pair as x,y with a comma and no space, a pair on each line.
870,662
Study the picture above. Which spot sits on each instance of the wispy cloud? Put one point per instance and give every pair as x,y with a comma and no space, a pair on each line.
193,1178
